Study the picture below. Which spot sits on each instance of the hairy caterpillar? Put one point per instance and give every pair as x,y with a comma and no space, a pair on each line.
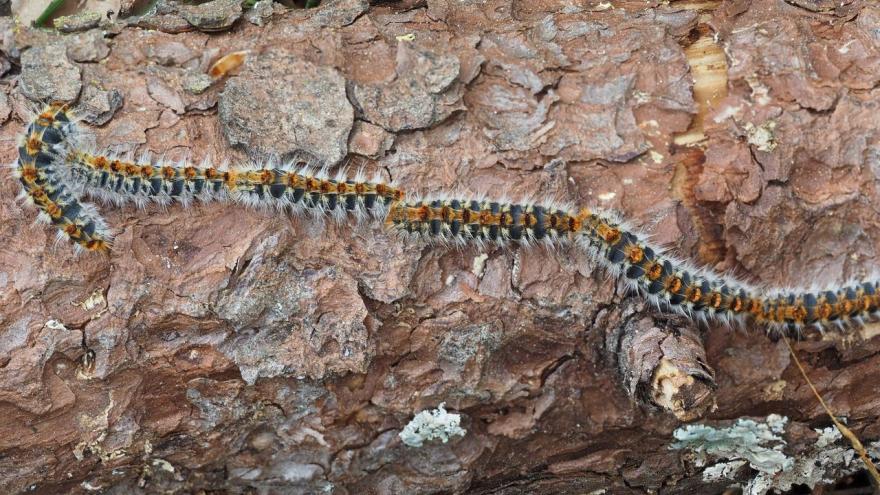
663,279
282,187
39,169
55,172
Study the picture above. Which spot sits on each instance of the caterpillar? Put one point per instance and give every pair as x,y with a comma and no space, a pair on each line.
39,169
644,268
55,172
282,187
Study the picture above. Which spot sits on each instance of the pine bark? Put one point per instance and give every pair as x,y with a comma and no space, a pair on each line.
220,349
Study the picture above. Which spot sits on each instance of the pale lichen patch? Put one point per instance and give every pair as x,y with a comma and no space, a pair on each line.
762,136
725,451
430,425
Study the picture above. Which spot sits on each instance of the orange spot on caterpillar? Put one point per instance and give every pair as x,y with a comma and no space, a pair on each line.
608,233
446,213
147,171
737,305
53,209
190,173
487,218
97,245
313,185
635,254
715,299
673,284
506,219
38,194
53,109
267,177
466,215
436,214
33,144
230,177
847,306
46,117
693,294
421,214
584,214
449,214
101,163
576,223
263,176
799,313
396,214
132,169
824,311
29,173
389,192
294,181
654,270
168,173
755,307
781,312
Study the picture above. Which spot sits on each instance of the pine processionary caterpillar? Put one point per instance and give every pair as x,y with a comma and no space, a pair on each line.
642,267
55,172
282,187
40,160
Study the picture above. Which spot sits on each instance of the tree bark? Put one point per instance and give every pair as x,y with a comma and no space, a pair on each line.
222,349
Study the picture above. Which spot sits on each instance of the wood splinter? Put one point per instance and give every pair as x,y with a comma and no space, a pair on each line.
662,364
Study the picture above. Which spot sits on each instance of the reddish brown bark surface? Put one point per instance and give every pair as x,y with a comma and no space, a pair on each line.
250,352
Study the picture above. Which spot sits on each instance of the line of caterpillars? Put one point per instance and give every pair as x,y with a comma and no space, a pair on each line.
37,170
47,163
123,180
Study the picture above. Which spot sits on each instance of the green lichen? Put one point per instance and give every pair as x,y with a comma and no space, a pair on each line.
760,444
81,21
724,451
